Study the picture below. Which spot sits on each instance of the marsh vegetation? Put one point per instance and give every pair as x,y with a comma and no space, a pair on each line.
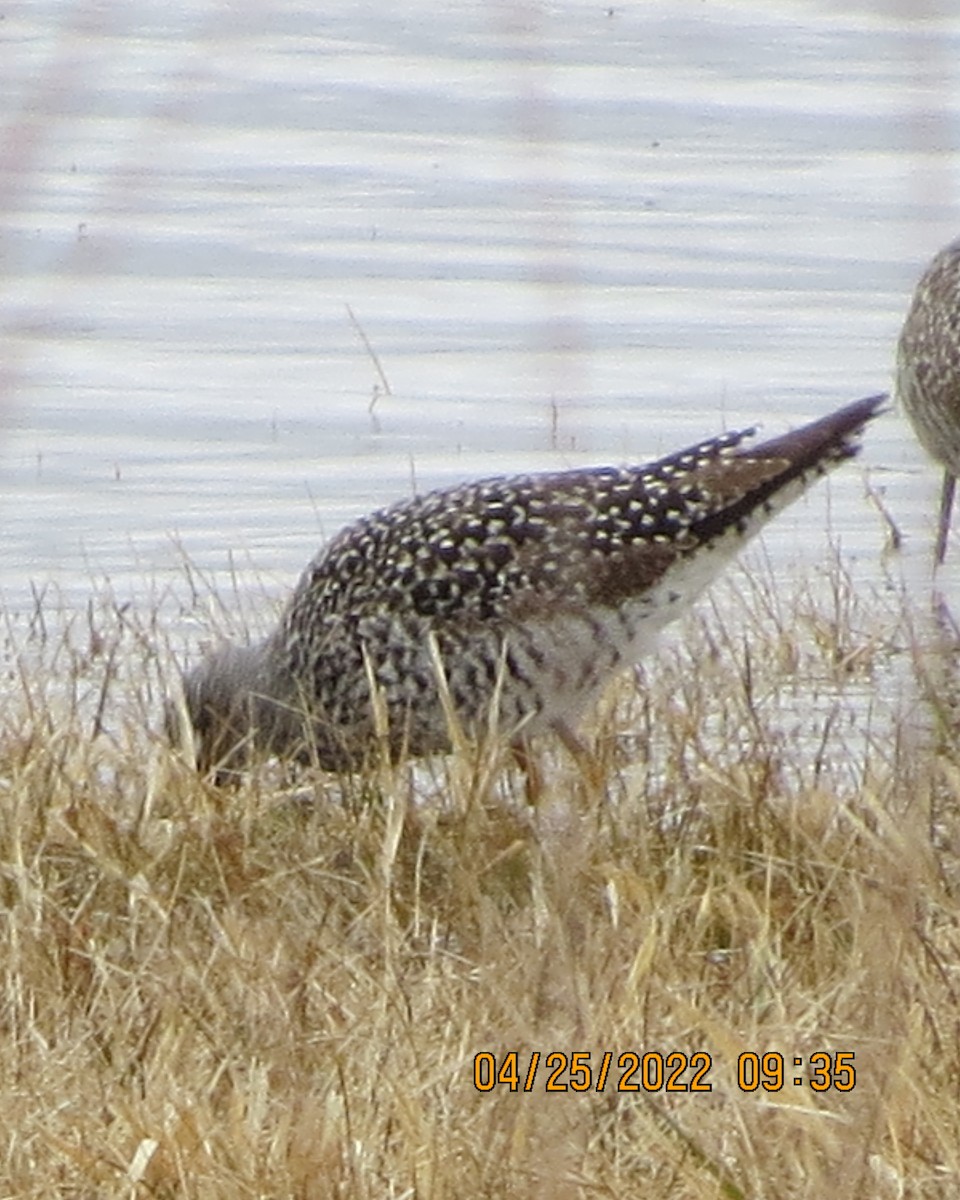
282,989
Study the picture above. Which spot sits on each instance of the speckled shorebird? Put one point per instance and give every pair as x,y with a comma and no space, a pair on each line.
928,373
509,599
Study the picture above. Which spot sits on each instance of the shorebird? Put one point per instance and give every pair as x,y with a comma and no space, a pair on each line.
928,373
506,603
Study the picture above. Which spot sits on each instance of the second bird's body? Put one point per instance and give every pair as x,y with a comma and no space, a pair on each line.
928,373
508,600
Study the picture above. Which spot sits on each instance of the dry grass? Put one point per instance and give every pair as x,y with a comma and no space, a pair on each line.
280,993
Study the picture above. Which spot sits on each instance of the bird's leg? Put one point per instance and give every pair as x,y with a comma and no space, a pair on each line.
526,759
946,507
529,765
586,760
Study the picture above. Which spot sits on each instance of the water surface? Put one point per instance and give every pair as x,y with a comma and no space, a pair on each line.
264,270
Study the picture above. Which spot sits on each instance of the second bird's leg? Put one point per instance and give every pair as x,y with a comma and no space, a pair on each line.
946,507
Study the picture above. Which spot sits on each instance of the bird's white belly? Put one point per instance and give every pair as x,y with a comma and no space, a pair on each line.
580,654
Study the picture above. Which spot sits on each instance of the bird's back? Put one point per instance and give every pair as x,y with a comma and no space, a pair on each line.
529,591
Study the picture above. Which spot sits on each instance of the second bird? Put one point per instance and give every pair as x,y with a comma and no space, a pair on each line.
928,373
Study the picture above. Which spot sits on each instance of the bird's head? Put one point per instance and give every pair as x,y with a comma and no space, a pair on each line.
214,720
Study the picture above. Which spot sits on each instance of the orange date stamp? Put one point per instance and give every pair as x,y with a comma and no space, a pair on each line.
659,1071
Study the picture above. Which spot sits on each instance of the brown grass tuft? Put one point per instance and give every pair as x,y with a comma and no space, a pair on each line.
281,991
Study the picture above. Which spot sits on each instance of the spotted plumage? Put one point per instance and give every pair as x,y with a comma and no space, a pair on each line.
512,599
928,373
